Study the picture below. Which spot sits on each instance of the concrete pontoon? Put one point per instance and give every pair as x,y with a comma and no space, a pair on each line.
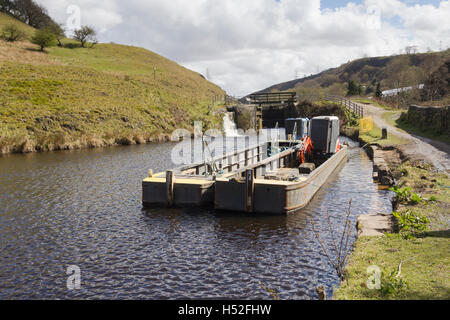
273,177
193,185
270,186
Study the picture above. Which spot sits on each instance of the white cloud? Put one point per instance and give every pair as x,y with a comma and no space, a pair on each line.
248,45
103,15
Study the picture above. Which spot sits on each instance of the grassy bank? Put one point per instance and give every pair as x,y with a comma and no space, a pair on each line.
73,97
393,118
374,136
414,260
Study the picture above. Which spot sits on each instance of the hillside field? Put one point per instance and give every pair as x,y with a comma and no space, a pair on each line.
75,97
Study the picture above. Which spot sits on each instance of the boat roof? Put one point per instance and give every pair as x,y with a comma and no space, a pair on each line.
331,118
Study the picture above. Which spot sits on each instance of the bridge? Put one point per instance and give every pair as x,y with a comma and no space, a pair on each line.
270,108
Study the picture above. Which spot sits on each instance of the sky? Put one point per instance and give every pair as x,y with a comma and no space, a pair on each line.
248,45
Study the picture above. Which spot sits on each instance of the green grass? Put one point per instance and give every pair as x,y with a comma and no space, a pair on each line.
420,132
363,101
393,118
376,102
374,136
9,20
425,267
70,98
381,104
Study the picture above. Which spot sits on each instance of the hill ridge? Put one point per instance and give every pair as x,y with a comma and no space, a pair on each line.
388,70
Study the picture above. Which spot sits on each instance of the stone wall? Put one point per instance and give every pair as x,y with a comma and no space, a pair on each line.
434,119
244,116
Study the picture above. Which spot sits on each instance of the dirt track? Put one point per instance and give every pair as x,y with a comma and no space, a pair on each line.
420,148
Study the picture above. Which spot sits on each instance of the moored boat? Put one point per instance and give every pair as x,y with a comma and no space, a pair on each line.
261,190
193,185
272,177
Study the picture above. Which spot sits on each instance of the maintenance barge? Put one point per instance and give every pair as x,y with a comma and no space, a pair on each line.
193,185
274,177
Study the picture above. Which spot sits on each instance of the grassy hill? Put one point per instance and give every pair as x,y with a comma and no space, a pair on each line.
391,72
6,19
74,97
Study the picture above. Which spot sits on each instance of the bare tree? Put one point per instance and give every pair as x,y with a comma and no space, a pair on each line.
411,50
341,246
85,34
31,13
437,84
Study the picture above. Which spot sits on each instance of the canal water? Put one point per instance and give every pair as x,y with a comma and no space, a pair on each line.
83,208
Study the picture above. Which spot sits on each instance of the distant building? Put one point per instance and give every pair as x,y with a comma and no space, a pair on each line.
394,92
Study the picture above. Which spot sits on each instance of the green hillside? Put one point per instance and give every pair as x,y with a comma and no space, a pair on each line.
74,97
391,72
6,19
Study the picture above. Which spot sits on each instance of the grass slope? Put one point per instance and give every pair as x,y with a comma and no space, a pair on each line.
6,19
74,98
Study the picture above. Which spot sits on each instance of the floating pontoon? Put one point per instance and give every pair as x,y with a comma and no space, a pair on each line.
273,177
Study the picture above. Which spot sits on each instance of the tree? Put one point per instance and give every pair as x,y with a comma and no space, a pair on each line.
378,92
44,38
31,13
411,50
11,33
58,31
438,83
85,34
6,6
27,11
353,88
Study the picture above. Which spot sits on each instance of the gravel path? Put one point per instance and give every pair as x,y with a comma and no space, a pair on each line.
434,152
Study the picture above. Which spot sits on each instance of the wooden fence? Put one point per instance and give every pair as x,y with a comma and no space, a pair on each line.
350,105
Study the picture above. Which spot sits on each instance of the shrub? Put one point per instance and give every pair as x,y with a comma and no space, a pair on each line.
408,221
12,33
58,31
405,195
391,284
44,38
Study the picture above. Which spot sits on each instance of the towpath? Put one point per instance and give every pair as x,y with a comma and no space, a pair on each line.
434,152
